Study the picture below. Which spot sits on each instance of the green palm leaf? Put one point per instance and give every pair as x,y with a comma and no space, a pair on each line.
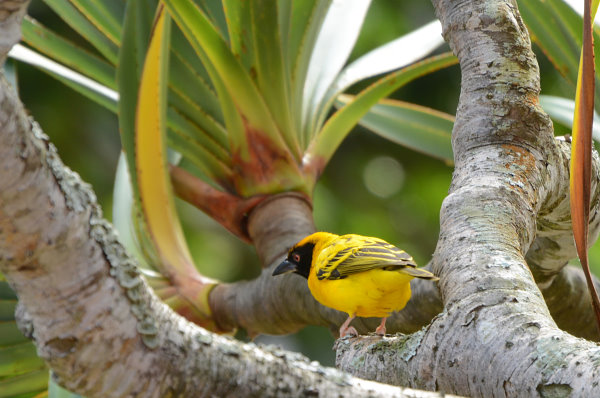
78,21
340,124
417,127
21,371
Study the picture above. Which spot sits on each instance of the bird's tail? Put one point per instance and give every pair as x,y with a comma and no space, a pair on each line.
419,273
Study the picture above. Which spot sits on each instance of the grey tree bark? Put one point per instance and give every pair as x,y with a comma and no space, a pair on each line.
496,336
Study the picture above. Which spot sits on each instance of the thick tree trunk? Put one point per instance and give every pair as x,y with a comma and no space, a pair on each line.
496,336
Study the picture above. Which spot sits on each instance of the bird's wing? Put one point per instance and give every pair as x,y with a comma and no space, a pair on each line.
351,254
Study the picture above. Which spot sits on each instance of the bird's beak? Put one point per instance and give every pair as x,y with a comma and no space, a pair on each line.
285,267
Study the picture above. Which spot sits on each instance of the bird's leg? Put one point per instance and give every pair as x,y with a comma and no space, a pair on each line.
346,329
381,328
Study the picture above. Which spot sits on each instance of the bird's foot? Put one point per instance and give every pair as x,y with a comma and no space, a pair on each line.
381,328
348,331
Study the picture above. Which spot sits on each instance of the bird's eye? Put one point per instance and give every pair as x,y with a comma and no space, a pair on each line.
296,257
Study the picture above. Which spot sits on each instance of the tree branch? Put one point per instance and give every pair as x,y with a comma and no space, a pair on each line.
11,15
496,336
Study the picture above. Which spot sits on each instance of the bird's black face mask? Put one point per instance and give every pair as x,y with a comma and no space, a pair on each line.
298,261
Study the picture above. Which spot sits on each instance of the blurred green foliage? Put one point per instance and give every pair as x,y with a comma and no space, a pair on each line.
355,194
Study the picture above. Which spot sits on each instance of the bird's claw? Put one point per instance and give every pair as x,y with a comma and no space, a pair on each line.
349,331
380,331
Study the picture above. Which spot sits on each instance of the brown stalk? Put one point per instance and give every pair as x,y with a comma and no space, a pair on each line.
582,157
228,210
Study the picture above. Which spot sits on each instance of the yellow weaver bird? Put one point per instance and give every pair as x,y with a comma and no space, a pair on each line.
358,275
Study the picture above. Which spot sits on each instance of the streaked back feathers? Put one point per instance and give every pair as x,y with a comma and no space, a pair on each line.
336,257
